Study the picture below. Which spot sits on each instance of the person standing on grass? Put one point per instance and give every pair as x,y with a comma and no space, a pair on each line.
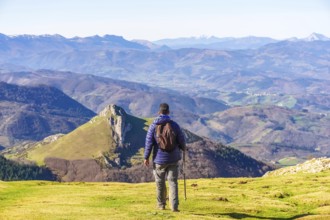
165,139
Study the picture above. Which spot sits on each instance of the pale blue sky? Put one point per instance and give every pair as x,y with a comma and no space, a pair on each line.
157,19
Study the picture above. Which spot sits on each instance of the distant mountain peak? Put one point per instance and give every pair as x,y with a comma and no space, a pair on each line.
113,37
151,45
315,37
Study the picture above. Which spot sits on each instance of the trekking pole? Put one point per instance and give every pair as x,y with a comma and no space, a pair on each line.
184,174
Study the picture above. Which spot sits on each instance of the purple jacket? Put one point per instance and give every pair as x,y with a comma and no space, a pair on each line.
159,156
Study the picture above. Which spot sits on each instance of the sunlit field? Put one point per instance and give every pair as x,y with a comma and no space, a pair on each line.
302,196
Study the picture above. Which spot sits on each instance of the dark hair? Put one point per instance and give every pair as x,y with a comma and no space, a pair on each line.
164,109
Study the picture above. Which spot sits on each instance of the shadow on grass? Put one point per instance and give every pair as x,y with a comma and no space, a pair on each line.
242,216
235,215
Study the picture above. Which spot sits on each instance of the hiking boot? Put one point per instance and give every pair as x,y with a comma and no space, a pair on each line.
161,207
175,210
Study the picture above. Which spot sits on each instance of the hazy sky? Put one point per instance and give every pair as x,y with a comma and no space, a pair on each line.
157,19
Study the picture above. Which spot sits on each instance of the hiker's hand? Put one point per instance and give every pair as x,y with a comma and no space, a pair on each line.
146,162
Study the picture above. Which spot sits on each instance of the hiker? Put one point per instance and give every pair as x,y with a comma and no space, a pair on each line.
165,161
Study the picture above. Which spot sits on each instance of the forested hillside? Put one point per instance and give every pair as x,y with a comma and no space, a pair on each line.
10,170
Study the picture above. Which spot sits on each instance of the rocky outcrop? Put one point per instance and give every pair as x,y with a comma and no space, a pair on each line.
52,138
118,123
315,165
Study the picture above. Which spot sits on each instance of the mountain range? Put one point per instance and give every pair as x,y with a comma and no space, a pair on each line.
271,101
288,73
229,43
57,42
265,132
97,92
114,56
215,43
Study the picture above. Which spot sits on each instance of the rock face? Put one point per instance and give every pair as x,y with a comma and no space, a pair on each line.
118,123
52,138
315,165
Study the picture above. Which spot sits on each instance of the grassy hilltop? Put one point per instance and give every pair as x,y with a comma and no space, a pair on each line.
91,140
300,196
110,148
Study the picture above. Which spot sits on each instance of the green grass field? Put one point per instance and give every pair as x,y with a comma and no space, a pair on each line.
289,161
302,196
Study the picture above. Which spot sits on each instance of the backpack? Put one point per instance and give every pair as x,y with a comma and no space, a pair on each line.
166,137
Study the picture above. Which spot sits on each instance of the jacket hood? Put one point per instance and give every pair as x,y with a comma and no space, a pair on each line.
161,119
